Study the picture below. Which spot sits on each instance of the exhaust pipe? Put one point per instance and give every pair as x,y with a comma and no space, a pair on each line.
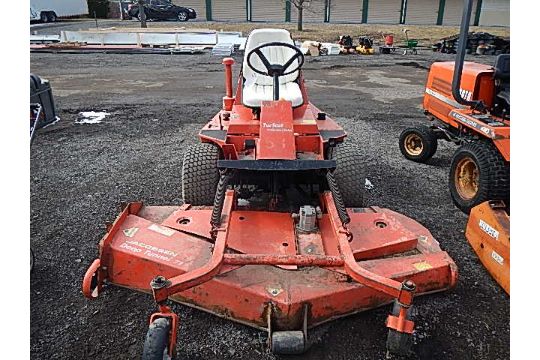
460,58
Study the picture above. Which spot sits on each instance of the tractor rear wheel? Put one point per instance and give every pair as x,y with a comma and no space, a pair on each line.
418,143
349,173
157,341
478,173
200,174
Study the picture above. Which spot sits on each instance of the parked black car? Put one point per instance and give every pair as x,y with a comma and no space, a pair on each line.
162,10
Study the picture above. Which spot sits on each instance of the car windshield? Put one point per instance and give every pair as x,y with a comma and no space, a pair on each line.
160,2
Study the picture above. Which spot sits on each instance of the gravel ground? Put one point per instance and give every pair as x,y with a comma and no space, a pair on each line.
80,173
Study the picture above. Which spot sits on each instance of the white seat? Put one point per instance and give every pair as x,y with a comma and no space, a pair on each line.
258,88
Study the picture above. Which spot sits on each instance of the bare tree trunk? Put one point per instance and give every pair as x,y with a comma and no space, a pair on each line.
142,14
300,18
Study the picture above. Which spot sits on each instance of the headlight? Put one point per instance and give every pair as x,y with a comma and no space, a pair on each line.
191,10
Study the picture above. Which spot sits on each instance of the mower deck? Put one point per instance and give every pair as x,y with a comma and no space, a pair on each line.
310,268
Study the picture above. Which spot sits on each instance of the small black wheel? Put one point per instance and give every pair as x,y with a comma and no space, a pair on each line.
200,174
478,173
182,16
52,16
139,16
418,143
399,343
288,342
349,173
43,17
156,344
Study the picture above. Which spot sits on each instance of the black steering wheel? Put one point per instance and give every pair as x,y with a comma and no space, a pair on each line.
275,70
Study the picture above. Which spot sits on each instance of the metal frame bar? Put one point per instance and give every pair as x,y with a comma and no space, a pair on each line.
346,259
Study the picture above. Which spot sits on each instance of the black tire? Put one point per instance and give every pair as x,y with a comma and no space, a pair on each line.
349,173
157,340
492,175
420,136
399,343
52,17
182,16
43,17
200,174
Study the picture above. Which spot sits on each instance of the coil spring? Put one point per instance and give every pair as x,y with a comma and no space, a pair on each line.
215,220
338,200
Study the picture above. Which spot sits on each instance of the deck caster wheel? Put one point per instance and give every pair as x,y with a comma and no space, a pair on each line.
156,344
399,343
288,342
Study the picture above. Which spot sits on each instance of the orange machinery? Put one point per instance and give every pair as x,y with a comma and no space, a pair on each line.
468,104
488,232
273,232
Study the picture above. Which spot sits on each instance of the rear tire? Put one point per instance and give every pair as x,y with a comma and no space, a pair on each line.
157,340
478,173
349,173
200,174
418,143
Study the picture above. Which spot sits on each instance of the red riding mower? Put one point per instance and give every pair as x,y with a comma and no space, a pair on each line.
273,232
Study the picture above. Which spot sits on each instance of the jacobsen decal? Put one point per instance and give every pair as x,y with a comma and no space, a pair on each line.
465,120
488,229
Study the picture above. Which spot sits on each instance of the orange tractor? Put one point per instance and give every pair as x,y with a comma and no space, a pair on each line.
273,232
469,104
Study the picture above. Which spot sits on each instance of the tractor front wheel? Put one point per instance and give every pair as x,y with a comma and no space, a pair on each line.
200,174
156,344
349,173
418,143
478,173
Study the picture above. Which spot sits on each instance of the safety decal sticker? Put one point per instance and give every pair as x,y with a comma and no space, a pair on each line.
131,231
488,229
161,230
422,265
498,258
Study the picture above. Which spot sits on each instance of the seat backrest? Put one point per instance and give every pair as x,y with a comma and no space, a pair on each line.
275,55
502,67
